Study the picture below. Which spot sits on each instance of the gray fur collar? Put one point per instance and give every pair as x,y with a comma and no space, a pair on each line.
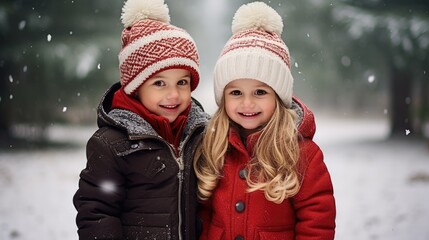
137,127
299,112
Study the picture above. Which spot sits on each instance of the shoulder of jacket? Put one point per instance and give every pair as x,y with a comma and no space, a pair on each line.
110,134
118,142
308,146
309,152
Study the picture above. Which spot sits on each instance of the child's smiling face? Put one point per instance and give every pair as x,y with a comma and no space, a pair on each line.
167,94
249,103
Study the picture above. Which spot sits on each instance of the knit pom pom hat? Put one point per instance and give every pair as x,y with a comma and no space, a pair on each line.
255,51
150,44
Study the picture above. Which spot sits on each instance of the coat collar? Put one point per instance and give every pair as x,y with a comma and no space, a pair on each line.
306,124
135,125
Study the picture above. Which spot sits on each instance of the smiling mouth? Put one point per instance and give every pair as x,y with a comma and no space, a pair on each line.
249,114
170,106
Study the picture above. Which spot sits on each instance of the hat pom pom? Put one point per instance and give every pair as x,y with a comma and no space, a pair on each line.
137,10
257,15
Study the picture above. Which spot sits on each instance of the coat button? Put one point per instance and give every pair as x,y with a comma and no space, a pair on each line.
239,237
242,173
135,145
239,206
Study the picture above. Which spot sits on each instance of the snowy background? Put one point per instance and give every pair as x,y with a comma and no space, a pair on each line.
381,186
344,54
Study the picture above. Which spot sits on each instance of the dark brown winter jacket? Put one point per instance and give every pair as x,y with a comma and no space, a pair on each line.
134,186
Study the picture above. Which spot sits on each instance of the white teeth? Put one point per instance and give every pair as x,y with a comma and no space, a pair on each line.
170,106
249,114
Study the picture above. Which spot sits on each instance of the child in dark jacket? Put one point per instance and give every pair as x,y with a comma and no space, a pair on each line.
139,182
260,175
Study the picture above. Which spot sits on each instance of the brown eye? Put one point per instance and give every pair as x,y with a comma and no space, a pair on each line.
159,83
235,92
260,92
182,82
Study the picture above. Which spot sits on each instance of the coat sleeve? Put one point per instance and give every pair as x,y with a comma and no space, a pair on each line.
100,194
314,204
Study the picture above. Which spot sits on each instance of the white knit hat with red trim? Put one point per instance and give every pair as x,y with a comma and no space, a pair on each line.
255,51
150,44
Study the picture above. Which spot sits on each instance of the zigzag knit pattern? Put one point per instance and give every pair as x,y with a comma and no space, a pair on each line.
149,47
259,39
255,54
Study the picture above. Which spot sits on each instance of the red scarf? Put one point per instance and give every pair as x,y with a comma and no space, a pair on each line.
169,131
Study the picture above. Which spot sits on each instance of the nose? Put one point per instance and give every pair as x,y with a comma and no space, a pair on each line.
173,93
247,101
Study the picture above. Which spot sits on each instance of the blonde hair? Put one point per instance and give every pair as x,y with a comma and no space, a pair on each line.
271,169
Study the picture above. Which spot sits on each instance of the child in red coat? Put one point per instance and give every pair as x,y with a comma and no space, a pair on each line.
260,175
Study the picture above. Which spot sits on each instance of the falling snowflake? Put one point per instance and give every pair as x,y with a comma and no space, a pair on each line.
296,64
346,61
308,34
99,66
371,78
10,78
25,68
22,24
49,37
64,109
407,132
385,111
11,97
108,186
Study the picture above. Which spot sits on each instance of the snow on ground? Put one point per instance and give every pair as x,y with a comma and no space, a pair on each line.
381,187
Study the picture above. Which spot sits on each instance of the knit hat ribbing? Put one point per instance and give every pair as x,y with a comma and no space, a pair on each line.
150,44
255,51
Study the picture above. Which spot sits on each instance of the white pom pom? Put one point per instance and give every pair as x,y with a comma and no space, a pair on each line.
257,15
136,10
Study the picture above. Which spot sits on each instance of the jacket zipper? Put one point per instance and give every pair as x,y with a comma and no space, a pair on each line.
181,165
179,161
179,194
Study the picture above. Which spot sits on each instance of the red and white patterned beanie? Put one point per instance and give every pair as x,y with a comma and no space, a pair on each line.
255,51
150,44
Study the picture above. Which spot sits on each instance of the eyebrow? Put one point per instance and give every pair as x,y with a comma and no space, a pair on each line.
257,86
159,75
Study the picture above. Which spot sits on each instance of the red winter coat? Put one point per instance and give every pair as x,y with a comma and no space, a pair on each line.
233,213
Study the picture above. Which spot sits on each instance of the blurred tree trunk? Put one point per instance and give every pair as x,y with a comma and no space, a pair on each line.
424,111
401,95
4,109
52,49
399,31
